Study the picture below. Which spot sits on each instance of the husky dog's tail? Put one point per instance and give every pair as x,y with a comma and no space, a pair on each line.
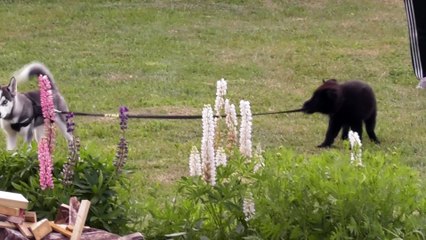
34,69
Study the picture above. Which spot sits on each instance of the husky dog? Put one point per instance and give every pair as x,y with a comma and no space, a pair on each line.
20,113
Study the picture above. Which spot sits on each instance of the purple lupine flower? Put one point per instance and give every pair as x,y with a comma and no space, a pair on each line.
70,122
122,147
123,117
73,152
121,155
73,159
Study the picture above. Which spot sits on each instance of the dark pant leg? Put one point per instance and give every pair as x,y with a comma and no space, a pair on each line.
416,19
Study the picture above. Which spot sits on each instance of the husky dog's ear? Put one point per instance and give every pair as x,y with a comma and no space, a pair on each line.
12,87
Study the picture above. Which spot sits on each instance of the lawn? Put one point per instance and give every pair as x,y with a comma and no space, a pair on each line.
164,57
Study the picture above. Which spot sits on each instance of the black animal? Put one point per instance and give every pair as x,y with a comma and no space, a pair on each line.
348,105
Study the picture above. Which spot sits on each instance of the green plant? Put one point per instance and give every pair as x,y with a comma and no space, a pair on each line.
15,168
325,197
202,210
95,179
298,197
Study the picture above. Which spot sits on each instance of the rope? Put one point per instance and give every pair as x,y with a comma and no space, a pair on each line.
149,116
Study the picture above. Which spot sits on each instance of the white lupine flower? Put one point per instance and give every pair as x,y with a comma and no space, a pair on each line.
207,146
245,129
221,87
356,148
231,122
195,162
259,158
231,114
221,157
249,207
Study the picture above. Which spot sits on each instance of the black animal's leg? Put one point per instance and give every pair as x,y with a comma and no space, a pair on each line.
357,127
370,124
334,126
345,132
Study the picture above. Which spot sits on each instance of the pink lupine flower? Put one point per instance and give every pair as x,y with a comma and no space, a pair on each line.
48,109
207,146
45,163
245,129
46,144
46,98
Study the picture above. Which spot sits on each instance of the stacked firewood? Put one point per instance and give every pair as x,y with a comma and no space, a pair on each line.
16,223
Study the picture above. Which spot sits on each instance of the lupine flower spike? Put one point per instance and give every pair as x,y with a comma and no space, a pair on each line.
356,148
195,162
249,207
245,129
46,144
48,109
73,152
221,159
260,161
231,124
221,87
122,147
70,123
207,146
46,166
123,117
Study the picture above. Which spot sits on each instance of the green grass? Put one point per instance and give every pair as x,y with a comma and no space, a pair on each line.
166,56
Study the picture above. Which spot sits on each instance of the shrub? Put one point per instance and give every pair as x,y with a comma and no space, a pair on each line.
298,197
324,197
95,179
201,209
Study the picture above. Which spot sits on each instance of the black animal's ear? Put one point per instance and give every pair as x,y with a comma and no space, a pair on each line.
329,80
12,87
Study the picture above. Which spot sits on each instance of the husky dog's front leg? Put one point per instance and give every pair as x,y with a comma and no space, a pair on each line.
11,141
11,135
